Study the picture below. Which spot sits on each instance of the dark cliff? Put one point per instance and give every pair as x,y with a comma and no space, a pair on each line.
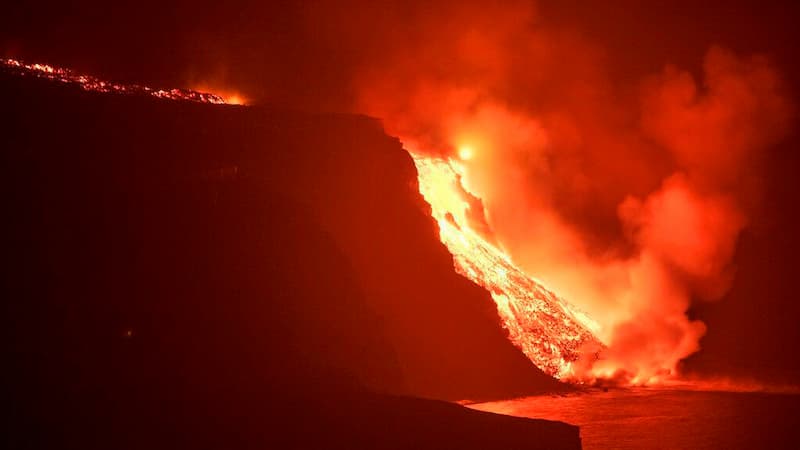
185,273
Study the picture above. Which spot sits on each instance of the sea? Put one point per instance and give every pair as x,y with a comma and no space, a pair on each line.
675,419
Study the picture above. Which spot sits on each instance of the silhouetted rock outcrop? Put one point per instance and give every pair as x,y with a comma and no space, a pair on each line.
184,275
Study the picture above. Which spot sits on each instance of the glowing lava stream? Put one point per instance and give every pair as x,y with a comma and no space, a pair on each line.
553,334
90,83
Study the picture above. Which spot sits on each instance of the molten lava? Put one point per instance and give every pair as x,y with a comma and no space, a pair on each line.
91,83
553,334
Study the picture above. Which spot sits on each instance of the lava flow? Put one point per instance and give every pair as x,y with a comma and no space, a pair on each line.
553,334
90,83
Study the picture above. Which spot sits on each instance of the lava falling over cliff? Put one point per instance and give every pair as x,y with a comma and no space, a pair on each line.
551,332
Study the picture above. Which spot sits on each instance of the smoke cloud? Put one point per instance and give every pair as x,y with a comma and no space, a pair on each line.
626,199
621,182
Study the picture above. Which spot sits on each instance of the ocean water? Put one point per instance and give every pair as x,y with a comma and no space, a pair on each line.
668,419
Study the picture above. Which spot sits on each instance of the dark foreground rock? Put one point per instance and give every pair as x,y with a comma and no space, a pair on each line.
183,275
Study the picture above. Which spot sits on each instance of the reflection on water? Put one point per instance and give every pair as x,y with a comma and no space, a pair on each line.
668,419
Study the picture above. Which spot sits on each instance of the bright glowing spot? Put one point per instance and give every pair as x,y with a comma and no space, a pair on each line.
465,152
234,99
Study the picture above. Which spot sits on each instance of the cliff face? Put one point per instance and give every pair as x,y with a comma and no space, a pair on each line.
361,186
175,265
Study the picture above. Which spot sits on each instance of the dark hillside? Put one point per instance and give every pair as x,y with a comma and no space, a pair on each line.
192,275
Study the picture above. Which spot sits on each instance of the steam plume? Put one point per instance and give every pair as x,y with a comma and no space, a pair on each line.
626,200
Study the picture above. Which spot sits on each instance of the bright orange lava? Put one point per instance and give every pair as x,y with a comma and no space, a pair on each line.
91,83
553,334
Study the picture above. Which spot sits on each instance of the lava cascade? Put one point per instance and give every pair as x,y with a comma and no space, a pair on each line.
553,334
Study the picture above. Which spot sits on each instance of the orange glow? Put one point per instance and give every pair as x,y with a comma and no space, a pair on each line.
465,152
234,99
228,96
